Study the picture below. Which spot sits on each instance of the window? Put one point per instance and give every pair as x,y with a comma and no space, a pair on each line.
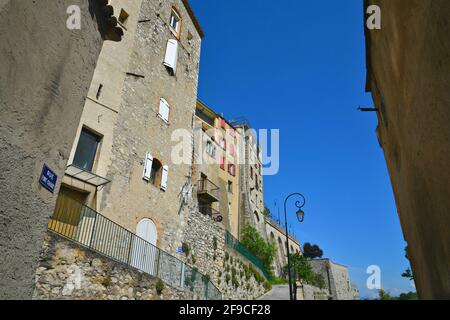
222,163
210,148
164,110
86,150
232,169
230,187
155,172
251,173
123,17
171,57
175,23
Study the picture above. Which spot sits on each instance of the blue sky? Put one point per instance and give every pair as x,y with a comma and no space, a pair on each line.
299,66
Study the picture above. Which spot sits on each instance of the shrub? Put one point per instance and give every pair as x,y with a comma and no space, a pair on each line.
254,242
159,286
227,256
267,286
227,278
106,281
193,259
185,248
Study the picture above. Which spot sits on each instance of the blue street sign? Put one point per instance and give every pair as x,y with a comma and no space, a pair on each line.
48,178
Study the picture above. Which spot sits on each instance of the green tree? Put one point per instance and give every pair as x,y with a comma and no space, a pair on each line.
312,251
266,212
264,251
303,270
408,273
383,295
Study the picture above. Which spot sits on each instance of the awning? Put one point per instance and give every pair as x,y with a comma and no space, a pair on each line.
88,177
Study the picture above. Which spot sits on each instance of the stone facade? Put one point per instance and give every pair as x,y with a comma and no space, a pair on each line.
275,233
337,279
408,74
45,72
228,270
67,271
251,206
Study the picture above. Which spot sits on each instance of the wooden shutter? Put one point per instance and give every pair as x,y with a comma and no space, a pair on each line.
164,109
164,178
148,162
170,60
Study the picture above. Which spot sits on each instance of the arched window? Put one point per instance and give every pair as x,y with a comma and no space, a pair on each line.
257,216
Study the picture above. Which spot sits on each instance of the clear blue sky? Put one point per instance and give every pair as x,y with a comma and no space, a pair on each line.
299,66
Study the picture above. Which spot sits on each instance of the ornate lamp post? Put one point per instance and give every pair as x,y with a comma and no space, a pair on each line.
300,217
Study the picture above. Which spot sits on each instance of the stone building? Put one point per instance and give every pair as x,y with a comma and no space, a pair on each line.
337,280
41,86
408,74
251,204
143,93
216,167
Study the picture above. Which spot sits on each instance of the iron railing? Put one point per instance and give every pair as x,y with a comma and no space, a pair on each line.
85,226
234,244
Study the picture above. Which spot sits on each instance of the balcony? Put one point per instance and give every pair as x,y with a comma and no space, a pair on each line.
209,211
207,192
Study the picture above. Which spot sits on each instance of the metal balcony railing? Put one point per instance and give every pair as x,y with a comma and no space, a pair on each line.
208,191
209,211
83,225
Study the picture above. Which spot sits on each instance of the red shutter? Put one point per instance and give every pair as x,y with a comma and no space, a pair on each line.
222,163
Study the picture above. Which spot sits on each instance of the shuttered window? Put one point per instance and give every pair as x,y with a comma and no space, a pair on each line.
164,110
170,60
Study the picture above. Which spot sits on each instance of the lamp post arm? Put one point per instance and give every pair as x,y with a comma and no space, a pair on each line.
299,205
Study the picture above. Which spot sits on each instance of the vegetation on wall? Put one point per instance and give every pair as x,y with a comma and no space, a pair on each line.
254,242
303,270
159,286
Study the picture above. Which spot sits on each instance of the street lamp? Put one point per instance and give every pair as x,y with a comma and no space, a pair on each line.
300,217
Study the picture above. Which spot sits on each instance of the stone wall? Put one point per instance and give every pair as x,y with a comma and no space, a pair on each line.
228,270
308,292
69,271
337,279
408,66
45,72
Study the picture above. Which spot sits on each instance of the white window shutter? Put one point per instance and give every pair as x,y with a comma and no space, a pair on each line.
171,57
164,109
148,166
164,178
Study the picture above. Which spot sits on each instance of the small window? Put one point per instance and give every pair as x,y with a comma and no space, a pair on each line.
211,149
86,150
175,22
232,169
156,173
123,17
164,110
230,187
